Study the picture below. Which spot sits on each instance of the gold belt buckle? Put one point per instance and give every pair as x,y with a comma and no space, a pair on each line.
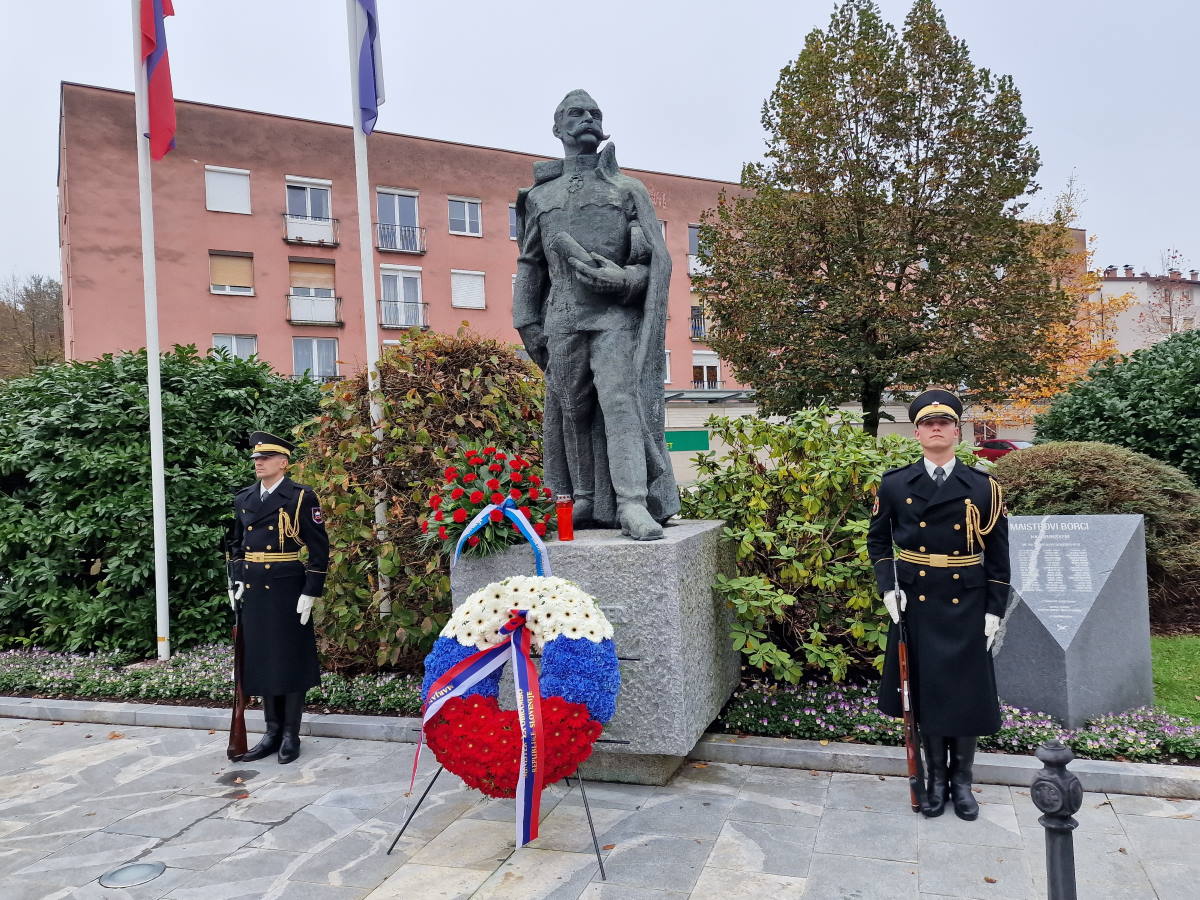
939,560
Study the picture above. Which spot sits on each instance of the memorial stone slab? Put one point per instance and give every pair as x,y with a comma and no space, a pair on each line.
1077,634
678,665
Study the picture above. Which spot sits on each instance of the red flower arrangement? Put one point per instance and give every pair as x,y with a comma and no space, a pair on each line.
501,475
485,741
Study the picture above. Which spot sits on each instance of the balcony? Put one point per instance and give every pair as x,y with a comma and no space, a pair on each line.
311,230
399,238
699,324
402,314
695,267
314,310
708,385
320,379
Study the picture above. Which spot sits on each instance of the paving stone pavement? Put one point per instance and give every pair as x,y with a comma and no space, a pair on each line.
79,799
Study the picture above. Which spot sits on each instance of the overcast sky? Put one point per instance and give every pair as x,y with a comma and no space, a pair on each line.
1110,88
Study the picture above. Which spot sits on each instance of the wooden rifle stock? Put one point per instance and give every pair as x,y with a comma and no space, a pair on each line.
237,723
912,741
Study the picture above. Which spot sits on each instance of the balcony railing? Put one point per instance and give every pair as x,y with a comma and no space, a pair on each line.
311,230
399,238
314,310
699,324
321,379
402,314
708,385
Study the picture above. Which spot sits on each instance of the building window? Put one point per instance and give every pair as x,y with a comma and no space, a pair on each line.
662,227
400,305
465,216
706,371
316,357
311,297
693,240
512,221
667,369
242,346
399,228
227,190
466,289
230,272
308,198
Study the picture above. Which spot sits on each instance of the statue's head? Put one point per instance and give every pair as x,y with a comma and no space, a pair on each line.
578,123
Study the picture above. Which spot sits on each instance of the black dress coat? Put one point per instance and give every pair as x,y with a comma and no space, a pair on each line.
953,681
280,653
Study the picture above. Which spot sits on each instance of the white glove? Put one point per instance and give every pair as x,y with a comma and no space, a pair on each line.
991,624
235,594
304,607
889,600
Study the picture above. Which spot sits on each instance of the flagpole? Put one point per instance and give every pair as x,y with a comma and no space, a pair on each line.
158,489
366,249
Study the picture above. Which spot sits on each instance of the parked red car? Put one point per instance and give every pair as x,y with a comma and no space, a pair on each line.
997,448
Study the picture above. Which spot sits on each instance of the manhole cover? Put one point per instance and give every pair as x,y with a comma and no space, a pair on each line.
134,873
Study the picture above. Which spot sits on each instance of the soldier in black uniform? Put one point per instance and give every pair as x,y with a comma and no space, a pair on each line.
273,521
948,529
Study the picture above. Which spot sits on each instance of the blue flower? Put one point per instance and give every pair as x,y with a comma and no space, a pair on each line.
582,671
445,655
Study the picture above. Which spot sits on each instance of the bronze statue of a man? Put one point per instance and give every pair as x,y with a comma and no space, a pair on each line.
590,304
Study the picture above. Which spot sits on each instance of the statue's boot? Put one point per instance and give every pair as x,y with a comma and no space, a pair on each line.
581,511
935,769
273,716
962,759
637,523
293,709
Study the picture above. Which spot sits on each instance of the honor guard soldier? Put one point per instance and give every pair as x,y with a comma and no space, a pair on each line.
274,520
938,543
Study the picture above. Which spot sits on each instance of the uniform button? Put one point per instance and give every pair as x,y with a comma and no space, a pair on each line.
268,587
272,527
922,549
957,527
952,599
955,574
956,553
922,573
906,500
268,565
922,524
268,546
247,546
921,598
251,527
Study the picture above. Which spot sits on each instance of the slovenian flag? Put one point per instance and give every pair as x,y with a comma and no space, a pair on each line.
370,64
160,99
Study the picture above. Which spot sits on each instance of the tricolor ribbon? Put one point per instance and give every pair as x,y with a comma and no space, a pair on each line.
541,557
515,648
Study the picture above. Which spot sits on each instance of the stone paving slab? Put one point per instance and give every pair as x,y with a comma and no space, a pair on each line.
79,799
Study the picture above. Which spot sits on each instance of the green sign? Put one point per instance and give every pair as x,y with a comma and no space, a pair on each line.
689,441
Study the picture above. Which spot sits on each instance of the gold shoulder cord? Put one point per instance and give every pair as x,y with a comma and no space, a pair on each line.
975,530
289,527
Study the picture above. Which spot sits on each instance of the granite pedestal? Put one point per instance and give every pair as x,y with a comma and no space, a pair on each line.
678,666
1077,636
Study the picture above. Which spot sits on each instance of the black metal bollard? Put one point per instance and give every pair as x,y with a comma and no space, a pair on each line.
1058,794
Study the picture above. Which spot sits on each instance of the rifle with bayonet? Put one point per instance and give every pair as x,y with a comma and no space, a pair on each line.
237,722
912,739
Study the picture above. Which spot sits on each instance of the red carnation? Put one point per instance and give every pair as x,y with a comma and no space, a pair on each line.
495,467
501,456
435,501
442,532
451,473
547,492
460,515
438,516
540,528
515,493
496,515
492,484
469,477
535,479
524,510
456,493
515,477
488,451
473,540
497,498
424,527
534,493
476,497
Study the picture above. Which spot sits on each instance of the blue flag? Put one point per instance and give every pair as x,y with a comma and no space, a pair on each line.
370,64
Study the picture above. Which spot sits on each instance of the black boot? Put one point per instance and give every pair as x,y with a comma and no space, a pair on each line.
935,769
293,709
273,716
962,758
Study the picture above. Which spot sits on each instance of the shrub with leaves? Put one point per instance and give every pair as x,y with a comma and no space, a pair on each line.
76,532
1148,401
1084,478
796,499
438,394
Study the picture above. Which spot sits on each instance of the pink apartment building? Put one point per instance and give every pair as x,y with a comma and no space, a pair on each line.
257,240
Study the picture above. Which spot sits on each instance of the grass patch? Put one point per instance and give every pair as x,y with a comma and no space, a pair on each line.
1177,674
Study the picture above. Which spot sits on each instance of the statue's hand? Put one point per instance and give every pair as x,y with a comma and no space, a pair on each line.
605,277
535,344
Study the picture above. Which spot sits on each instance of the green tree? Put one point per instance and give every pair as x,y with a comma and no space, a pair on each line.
1148,401
76,535
877,247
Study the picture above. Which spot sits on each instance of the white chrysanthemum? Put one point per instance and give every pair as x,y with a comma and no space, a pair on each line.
556,608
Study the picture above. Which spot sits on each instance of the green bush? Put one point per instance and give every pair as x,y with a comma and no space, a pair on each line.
1148,401
1084,478
796,498
438,392
76,531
